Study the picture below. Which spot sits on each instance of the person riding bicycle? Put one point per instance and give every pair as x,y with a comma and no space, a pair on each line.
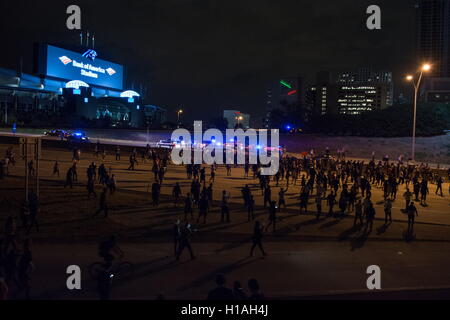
110,250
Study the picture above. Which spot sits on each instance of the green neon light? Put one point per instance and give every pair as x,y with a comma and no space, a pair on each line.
284,83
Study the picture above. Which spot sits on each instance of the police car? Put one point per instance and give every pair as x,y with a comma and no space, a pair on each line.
78,137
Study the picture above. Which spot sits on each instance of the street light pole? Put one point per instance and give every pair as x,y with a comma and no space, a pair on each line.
416,91
178,117
416,85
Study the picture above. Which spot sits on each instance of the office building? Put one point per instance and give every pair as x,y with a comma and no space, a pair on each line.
433,35
352,93
433,39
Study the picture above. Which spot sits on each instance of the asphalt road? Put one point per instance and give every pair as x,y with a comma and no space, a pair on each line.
307,258
291,270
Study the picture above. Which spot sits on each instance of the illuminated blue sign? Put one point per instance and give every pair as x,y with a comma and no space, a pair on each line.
70,65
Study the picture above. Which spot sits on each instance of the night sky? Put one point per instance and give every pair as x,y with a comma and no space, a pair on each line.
206,55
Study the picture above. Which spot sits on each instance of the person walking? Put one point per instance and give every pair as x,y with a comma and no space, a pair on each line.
203,207
272,216
358,213
304,200
176,193
117,153
251,208
31,170
267,196
281,199
69,178
416,190
56,168
188,206
132,160
370,216
257,238
331,200
184,241
388,210
412,214
91,188
424,192
407,196
112,184
225,210
103,205
318,204
439,183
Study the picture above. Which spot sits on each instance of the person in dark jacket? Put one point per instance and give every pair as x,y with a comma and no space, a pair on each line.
220,292
184,241
103,205
253,286
257,238
370,216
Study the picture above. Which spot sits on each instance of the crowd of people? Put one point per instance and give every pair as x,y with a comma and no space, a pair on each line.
322,186
221,292
16,261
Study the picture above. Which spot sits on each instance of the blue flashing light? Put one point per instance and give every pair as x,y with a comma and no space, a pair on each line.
258,147
78,134
288,127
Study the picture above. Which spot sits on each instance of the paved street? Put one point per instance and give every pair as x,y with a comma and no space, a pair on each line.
292,268
307,257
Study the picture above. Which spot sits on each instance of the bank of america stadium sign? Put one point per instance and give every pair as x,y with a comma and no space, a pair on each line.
87,69
70,65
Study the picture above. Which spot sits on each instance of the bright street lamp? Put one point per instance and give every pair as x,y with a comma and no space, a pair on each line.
240,118
426,67
178,117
